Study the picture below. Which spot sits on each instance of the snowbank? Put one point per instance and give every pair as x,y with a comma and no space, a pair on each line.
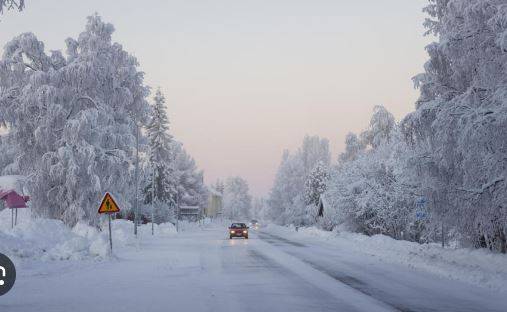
475,266
47,239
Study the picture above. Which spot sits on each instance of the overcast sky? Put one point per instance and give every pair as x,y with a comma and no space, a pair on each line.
245,79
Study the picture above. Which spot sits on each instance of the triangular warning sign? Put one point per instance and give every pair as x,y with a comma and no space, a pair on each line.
108,205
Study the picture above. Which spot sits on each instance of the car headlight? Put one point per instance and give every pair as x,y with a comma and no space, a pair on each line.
245,232
232,232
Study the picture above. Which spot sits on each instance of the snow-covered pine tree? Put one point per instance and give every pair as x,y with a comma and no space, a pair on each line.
191,189
162,162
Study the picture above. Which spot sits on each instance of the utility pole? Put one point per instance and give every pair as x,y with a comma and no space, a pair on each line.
152,201
136,211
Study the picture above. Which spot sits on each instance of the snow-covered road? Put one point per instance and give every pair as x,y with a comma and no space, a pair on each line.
401,288
202,270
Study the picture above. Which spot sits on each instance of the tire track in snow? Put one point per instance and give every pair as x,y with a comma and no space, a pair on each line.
342,278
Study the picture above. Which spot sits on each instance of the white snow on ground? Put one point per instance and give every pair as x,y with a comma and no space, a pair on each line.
474,266
45,239
200,269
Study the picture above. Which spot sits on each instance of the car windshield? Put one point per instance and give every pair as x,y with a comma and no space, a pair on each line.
238,225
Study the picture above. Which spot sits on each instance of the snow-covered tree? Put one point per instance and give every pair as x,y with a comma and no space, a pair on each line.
11,5
259,206
219,186
316,184
353,146
381,125
374,186
191,189
161,162
236,199
286,202
72,119
460,125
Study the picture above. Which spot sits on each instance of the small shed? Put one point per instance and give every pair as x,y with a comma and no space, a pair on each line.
190,213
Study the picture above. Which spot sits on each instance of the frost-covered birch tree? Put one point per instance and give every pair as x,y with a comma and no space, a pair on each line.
236,199
72,119
372,190
460,124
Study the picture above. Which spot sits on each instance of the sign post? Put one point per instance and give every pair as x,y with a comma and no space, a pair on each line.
109,207
152,200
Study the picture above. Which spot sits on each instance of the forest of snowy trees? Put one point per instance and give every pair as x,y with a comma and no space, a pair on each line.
440,173
72,123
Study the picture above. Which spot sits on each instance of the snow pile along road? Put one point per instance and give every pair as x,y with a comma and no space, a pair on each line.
474,266
47,239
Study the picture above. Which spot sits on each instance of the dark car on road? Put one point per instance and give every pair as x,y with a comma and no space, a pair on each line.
238,230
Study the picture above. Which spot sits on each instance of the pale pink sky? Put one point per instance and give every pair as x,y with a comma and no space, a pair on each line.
246,79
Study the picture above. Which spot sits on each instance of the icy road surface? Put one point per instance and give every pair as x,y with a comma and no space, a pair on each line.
202,270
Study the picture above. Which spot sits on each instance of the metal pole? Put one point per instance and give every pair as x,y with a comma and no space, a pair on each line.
136,211
110,235
443,237
12,218
177,213
152,201
16,217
